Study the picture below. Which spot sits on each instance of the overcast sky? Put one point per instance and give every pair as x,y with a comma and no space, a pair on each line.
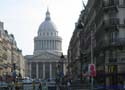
23,17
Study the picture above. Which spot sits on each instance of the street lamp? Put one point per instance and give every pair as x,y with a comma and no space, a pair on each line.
62,63
60,70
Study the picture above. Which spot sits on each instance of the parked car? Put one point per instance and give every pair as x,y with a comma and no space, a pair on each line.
37,81
3,85
27,81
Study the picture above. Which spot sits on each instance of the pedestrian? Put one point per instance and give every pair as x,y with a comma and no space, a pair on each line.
12,85
68,85
40,86
16,86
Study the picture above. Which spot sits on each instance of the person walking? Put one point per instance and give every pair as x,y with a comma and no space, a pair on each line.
16,85
68,85
40,86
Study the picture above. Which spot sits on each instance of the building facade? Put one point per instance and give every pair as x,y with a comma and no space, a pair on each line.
47,51
10,54
74,61
103,40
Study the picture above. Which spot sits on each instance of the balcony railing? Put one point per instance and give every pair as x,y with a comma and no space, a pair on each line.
109,3
115,42
111,6
111,22
110,43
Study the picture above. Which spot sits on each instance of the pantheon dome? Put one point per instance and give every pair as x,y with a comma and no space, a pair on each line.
47,25
47,51
47,38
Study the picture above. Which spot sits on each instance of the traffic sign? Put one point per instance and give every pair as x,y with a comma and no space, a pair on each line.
92,70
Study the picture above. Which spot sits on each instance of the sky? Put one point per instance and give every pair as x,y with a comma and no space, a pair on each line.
23,17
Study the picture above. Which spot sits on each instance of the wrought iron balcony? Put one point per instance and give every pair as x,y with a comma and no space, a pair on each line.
115,42
111,22
110,5
110,2
110,43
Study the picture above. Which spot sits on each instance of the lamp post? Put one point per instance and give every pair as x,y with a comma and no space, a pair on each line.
62,63
60,70
61,66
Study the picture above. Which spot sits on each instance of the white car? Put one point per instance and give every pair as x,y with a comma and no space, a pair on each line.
27,81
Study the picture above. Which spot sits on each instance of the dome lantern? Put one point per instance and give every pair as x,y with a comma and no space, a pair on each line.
47,15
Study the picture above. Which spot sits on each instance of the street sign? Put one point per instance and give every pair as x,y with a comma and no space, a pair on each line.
92,70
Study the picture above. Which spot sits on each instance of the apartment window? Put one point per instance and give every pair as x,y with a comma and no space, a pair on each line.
113,2
123,2
114,21
114,36
112,60
112,14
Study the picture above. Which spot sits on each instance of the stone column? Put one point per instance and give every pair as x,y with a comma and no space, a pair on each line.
50,70
43,70
30,70
56,45
37,71
45,44
59,45
49,44
38,44
53,44
41,44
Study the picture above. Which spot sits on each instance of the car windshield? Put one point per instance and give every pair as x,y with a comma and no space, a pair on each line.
27,81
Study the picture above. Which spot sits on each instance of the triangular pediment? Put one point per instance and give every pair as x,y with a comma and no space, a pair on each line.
46,56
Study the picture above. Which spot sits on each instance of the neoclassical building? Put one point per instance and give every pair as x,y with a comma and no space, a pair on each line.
47,50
